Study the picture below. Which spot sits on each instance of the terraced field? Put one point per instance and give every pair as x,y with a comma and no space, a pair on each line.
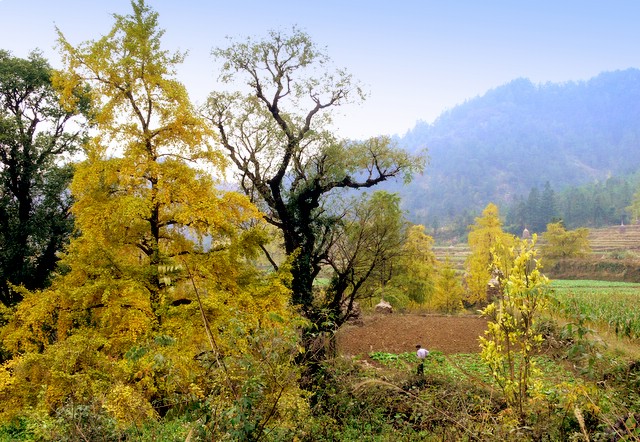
606,242
455,253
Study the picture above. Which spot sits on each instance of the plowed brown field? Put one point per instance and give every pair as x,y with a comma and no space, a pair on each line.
399,333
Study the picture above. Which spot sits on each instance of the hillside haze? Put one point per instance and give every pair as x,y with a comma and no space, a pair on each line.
520,135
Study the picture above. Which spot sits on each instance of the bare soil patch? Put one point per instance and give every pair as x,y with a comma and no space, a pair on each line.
399,333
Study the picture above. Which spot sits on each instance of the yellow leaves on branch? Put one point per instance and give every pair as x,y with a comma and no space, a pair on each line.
511,339
73,369
114,202
561,243
128,406
484,236
138,107
120,326
448,292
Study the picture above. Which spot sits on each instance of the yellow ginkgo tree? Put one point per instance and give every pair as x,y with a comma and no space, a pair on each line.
156,303
484,236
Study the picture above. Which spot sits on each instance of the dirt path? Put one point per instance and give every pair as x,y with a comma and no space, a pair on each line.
398,333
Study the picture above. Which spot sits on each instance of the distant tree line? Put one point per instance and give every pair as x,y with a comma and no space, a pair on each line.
596,204
614,201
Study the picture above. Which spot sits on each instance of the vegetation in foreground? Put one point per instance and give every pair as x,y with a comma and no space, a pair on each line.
384,400
158,325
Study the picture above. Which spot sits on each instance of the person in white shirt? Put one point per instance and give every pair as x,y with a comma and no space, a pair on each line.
421,353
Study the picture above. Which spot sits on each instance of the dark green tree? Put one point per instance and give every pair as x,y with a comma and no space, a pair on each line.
574,207
534,221
516,218
35,141
548,205
366,252
277,132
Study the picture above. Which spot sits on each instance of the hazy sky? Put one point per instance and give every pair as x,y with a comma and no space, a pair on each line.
416,58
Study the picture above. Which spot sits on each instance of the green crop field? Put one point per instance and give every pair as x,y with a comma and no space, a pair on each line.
613,306
460,366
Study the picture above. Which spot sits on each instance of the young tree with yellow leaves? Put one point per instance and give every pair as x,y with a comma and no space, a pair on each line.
562,243
511,339
449,294
156,305
484,236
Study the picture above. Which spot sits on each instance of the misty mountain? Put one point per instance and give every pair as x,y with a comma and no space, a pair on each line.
498,146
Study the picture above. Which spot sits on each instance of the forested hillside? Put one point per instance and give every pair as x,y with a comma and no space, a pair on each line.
496,147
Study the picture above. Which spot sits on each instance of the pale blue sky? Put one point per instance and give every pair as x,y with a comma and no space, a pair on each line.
416,58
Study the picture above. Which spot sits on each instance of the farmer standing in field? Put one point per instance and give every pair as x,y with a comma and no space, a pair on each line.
421,353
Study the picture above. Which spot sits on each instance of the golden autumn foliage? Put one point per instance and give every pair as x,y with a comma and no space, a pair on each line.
484,236
562,243
512,340
448,292
156,304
